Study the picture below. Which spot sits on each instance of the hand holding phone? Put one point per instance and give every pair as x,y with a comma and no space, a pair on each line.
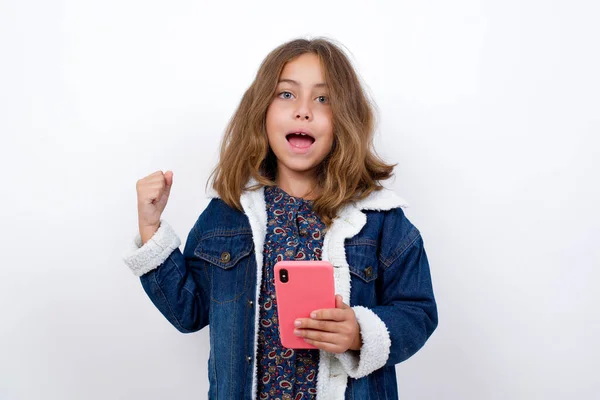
301,287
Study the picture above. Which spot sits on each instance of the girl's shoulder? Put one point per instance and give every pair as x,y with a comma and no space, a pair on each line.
381,200
219,217
387,221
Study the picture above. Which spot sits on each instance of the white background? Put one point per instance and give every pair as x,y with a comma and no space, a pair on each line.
491,109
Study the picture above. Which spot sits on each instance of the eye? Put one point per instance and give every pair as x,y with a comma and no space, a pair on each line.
286,95
323,99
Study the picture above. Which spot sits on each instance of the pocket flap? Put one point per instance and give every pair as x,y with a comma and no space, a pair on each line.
366,272
362,257
224,249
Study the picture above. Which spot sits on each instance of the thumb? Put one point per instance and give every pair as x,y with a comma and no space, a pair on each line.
168,180
339,302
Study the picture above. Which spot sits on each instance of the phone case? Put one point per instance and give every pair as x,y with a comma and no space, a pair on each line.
310,287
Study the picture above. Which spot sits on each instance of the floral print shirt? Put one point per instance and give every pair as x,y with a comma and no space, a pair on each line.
294,232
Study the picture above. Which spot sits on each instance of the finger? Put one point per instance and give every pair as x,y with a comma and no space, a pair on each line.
331,314
318,336
157,175
155,181
330,347
168,181
326,326
169,178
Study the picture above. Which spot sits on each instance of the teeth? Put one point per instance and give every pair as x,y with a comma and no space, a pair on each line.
300,133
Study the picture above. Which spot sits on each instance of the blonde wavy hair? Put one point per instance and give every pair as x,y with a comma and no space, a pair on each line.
352,169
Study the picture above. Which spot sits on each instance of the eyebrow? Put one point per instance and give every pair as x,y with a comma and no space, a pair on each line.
293,82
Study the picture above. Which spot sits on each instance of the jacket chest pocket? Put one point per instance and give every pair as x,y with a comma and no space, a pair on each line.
227,261
362,260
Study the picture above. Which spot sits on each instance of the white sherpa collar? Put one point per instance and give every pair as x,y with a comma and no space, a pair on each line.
380,200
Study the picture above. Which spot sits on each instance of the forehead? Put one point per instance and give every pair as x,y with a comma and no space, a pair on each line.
305,69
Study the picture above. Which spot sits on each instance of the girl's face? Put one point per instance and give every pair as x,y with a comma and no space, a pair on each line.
299,119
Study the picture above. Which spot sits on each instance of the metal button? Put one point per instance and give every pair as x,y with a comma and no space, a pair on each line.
248,358
225,257
250,303
368,272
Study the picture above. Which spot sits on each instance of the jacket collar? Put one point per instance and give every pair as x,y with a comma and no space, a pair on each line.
381,200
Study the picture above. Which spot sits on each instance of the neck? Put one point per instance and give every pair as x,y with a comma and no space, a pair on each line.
296,184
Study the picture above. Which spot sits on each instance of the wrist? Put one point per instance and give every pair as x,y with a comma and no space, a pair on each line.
146,232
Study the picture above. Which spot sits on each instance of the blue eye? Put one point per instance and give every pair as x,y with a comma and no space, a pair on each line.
284,93
287,95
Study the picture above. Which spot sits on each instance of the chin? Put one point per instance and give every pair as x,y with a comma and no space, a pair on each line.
300,163
300,167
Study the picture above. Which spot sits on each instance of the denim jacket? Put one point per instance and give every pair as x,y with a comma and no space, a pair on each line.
381,271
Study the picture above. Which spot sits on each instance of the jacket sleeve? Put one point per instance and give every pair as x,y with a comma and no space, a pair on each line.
165,275
406,312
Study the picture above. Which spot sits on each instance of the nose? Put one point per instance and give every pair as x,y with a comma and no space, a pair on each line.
303,111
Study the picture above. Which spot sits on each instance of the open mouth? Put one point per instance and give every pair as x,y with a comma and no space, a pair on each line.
300,140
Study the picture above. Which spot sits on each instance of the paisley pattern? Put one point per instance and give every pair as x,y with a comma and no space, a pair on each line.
294,232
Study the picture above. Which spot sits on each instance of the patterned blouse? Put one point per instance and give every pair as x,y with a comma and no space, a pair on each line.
294,232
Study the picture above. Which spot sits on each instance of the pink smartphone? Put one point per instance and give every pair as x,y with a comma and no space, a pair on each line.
300,288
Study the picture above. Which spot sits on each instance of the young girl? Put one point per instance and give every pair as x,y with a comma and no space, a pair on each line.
297,179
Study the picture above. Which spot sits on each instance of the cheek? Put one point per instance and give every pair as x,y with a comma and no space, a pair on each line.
273,117
329,145
270,121
324,116
326,126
